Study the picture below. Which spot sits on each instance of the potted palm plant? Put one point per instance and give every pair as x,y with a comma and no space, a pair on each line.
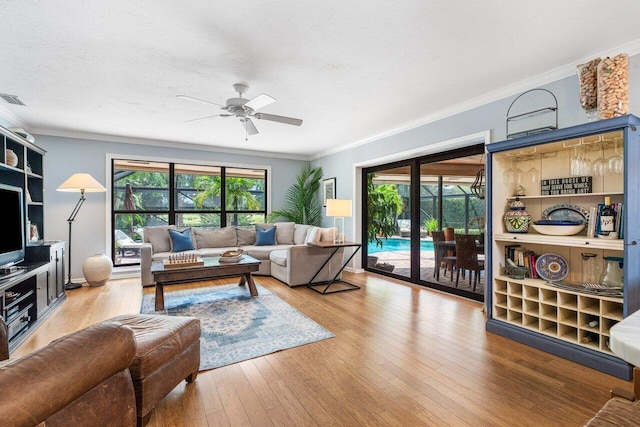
383,206
301,203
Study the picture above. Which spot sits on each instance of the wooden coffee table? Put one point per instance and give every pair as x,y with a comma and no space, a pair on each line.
212,269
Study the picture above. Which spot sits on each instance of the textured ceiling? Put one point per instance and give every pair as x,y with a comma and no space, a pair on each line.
352,70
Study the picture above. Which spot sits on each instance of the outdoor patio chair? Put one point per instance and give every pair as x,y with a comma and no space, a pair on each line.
404,227
441,256
467,258
125,244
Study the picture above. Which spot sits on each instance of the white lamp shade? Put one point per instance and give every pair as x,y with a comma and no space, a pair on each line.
339,208
81,182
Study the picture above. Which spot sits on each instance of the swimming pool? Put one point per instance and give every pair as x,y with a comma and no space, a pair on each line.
395,244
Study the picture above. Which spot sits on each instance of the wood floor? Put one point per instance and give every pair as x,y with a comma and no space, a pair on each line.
402,356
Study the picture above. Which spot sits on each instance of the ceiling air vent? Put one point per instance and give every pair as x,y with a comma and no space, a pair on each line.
11,99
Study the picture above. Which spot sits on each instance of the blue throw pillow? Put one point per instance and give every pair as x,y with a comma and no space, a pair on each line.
265,237
181,240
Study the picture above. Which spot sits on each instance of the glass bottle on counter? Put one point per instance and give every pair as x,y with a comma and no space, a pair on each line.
607,218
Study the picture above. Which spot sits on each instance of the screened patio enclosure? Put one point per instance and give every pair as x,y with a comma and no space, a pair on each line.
147,193
431,194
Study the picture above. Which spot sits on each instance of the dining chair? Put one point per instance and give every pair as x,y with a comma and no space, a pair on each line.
441,258
467,258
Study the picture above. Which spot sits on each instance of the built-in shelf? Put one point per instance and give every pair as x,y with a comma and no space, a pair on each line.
532,311
569,241
540,307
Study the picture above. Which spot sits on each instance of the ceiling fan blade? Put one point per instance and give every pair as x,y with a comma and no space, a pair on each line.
250,127
259,102
191,98
279,119
207,117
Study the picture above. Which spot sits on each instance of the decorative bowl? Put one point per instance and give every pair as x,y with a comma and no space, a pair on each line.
515,272
231,258
558,229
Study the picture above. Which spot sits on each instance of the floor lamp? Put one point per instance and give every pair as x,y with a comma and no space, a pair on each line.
78,183
339,209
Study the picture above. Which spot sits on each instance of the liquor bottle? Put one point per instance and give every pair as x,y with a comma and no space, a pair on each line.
586,339
607,218
593,323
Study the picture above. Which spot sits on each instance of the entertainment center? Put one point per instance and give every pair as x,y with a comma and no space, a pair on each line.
31,269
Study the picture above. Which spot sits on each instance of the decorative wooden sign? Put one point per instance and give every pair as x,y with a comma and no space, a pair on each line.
572,185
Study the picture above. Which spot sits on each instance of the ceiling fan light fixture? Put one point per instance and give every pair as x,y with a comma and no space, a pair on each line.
244,109
250,127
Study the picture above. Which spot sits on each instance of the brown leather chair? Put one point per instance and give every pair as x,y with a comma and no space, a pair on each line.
81,379
467,258
4,340
168,351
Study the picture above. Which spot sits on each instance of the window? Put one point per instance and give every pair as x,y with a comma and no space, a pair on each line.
147,193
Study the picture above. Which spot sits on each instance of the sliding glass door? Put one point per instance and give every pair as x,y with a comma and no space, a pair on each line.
415,209
389,222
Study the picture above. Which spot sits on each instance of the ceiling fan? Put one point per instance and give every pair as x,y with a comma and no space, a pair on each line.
245,109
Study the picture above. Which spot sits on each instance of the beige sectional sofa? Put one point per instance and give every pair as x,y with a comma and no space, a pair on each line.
289,260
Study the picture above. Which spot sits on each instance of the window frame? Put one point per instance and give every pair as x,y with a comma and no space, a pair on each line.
171,211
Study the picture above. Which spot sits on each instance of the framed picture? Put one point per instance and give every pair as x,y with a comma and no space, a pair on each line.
328,190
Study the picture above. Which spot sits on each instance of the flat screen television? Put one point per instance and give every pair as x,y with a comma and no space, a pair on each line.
12,241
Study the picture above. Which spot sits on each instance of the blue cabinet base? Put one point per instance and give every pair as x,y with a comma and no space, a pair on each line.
608,364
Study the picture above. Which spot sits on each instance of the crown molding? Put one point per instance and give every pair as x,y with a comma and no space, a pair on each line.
163,143
632,48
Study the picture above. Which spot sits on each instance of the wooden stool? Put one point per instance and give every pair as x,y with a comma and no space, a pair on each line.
167,351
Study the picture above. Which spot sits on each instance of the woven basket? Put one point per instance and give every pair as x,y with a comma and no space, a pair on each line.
515,272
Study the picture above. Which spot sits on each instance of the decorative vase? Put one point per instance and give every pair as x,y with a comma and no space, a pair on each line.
97,269
10,157
517,219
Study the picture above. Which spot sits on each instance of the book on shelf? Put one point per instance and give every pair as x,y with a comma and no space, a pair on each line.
530,263
598,213
621,222
509,251
532,260
618,208
522,257
518,257
593,220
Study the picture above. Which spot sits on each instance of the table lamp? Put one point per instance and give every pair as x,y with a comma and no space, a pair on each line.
339,209
78,183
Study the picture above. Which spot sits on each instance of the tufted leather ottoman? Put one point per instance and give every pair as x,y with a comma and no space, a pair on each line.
167,351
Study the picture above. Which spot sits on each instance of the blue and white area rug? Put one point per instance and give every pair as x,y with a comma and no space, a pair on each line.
235,325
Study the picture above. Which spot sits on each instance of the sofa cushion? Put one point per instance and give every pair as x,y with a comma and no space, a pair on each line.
246,236
265,237
158,236
217,238
313,235
279,257
262,252
181,240
300,233
328,234
285,232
